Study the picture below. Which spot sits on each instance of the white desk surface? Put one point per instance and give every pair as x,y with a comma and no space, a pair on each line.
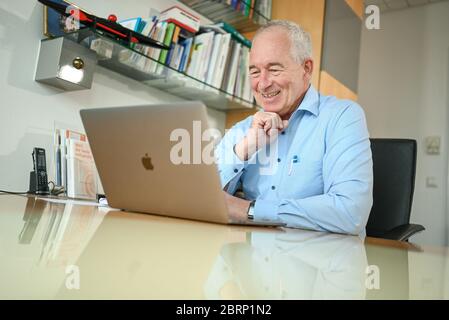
54,250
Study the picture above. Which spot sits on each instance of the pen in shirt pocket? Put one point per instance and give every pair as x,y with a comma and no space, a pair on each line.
295,159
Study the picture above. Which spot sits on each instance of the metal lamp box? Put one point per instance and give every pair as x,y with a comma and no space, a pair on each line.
65,64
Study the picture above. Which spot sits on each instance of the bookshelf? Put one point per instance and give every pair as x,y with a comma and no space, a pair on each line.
247,19
130,62
189,68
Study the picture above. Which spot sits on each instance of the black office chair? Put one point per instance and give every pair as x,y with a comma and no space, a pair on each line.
394,166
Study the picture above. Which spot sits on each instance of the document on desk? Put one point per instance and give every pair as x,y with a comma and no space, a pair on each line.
76,202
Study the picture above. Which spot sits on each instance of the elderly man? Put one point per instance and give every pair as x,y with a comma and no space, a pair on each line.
321,176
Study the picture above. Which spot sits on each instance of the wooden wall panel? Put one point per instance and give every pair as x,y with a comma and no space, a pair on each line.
232,117
249,35
309,14
357,6
331,86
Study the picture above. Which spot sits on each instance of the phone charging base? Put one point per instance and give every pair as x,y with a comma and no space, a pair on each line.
33,188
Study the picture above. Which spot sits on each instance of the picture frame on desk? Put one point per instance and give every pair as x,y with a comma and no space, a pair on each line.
55,24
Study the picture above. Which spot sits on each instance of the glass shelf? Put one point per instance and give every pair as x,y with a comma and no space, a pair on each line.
217,11
133,62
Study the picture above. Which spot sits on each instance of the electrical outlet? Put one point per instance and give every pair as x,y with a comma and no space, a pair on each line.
431,182
433,145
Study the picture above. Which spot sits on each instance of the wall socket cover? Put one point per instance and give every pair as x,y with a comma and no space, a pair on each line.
433,145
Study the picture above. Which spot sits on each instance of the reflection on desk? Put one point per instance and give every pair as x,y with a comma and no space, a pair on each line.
136,256
290,265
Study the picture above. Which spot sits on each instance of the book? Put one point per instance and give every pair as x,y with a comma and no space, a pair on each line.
201,43
167,41
234,33
187,45
149,26
251,11
132,24
81,171
217,44
227,69
247,93
155,53
222,60
131,58
233,67
239,74
173,44
263,7
175,61
61,137
205,57
181,17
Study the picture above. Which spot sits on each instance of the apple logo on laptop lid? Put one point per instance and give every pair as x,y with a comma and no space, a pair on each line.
146,161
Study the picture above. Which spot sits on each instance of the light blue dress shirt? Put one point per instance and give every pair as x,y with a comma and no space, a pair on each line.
321,176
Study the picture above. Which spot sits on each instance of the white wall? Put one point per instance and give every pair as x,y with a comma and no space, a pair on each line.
29,111
404,89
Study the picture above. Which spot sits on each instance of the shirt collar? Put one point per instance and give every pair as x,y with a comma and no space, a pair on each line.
310,102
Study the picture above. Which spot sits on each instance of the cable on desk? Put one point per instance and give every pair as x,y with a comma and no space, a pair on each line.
12,192
55,189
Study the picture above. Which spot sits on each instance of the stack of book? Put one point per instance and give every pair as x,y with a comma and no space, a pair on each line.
220,58
173,27
217,54
75,166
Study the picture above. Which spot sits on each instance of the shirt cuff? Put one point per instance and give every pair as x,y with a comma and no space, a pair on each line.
229,171
266,210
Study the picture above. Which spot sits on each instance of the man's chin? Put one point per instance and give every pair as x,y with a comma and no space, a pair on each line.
272,108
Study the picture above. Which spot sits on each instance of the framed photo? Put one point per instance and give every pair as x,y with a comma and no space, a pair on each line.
55,24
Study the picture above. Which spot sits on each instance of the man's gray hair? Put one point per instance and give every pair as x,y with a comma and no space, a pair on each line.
301,44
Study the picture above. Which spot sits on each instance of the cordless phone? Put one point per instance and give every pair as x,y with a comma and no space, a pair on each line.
38,177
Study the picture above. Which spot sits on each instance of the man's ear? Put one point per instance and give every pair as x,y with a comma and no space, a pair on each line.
308,68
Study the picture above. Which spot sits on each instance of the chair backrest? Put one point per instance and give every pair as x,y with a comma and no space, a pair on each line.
394,167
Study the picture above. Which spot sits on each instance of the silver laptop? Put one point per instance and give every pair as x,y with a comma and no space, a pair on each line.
132,151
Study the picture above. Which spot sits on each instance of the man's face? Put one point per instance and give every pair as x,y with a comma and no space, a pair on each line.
278,82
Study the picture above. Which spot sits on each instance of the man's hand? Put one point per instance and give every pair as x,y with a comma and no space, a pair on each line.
237,208
263,131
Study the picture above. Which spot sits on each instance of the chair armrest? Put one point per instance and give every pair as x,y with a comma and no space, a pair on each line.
403,232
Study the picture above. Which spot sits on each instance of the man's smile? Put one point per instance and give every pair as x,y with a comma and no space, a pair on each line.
272,94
